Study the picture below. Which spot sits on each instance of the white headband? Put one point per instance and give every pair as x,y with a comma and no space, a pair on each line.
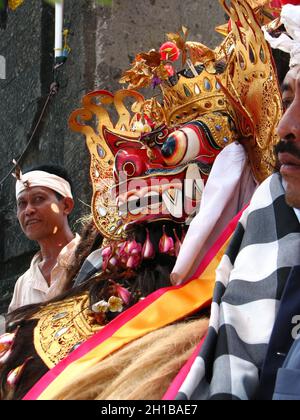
290,18
43,179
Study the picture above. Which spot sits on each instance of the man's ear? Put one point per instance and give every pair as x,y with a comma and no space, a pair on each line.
68,205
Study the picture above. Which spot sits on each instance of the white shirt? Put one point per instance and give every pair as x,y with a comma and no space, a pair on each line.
33,288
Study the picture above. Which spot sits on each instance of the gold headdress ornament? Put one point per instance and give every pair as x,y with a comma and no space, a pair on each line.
253,89
105,212
264,12
237,80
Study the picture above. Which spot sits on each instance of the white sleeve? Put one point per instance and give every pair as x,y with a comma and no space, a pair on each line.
16,301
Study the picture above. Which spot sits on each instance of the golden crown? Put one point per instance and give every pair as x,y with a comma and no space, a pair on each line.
189,93
192,97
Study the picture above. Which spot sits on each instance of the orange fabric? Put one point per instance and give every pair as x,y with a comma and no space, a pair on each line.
173,305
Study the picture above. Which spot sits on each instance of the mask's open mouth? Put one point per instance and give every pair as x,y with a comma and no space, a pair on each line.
168,194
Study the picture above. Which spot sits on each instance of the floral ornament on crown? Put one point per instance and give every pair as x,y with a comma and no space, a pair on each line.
147,69
156,67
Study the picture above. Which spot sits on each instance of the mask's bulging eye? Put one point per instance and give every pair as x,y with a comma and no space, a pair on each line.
169,147
182,146
174,148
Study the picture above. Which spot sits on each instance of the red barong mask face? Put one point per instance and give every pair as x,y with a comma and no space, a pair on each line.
148,175
150,159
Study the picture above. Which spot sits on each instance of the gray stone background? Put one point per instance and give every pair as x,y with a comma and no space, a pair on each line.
104,41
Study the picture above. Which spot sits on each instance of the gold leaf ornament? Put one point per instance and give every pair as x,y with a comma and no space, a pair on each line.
180,40
144,68
199,53
141,73
151,59
162,73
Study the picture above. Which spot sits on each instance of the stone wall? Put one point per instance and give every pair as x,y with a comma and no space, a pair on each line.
104,40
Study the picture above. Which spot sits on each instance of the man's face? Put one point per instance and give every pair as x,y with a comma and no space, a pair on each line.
288,149
40,213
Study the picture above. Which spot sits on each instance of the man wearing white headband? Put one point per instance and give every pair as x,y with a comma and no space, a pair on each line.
44,202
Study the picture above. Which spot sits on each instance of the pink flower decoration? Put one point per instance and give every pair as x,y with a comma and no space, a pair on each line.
106,256
15,375
178,243
121,253
4,357
123,293
170,69
148,251
107,252
133,248
6,341
113,261
134,261
169,51
127,254
166,244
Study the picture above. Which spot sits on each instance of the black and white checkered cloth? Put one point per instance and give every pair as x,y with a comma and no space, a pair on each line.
91,266
249,284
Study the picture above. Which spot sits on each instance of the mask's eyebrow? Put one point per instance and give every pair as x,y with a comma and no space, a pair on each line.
286,87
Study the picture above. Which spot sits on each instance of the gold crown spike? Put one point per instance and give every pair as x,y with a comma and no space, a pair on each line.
263,10
252,88
93,120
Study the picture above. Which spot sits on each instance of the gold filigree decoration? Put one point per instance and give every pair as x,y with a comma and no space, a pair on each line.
253,89
62,327
222,128
193,97
143,68
93,120
264,13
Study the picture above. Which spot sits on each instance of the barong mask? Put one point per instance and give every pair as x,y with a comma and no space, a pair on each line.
151,159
